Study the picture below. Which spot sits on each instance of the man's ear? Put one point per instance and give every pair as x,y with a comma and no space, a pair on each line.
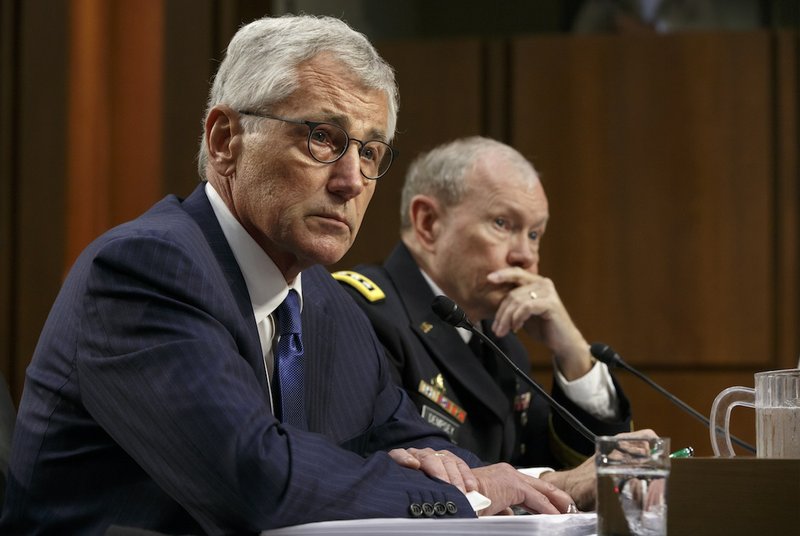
223,138
425,214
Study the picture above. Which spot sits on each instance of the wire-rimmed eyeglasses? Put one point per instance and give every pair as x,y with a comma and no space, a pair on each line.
327,143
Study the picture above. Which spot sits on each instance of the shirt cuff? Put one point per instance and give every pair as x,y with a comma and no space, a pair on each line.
477,501
535,472
594,392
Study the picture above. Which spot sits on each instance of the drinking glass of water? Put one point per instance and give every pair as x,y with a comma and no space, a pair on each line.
632,475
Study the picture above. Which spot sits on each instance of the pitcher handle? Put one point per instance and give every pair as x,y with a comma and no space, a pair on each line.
723,404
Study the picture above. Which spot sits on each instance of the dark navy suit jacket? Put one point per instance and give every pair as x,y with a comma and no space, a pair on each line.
504,420
146,403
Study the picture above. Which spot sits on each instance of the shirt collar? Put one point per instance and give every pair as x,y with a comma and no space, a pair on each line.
464,333
265,282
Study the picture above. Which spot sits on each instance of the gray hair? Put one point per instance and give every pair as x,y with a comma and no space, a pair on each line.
260,65
442,172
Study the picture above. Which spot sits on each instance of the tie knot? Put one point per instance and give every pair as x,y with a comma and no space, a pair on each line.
289,314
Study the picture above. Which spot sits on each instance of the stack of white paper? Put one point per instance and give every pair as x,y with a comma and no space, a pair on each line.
527,525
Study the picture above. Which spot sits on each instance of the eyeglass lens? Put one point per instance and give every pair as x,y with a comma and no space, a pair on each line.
328,142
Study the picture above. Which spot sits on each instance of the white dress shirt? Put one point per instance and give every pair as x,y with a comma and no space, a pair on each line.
265,283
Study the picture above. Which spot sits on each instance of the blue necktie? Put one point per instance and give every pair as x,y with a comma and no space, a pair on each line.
289,362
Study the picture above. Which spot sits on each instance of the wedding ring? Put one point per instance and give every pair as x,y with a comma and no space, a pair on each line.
534,295
439,454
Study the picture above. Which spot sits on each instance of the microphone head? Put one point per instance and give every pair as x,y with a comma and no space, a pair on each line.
605,354
450,312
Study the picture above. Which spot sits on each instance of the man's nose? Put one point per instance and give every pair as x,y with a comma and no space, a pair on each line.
524,253
347,180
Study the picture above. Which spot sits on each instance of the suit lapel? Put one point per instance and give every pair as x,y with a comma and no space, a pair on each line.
443,342
199,208
318,338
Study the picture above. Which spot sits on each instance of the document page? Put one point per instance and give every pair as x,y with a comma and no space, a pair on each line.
522,525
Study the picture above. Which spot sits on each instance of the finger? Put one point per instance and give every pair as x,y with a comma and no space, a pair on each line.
404,458
528,307
538,503
470,480
516,308
458,472
453,471
517,276
447,466
502,318
555,500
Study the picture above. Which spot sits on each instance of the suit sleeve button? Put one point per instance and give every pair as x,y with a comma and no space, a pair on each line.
427,509
439,508
415,509
452,508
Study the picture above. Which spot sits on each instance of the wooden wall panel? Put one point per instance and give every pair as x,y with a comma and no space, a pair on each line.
671,167
441,98
40,153
115,104
696,388
90,125
787,198
188,67
656,153
8,164
137,32
195,36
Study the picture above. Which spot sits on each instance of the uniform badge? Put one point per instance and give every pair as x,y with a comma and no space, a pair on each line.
361,283
440,421
426,327
522,402
438,382
434,394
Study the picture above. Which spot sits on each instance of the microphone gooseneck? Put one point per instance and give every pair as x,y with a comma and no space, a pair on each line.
450,312
605,354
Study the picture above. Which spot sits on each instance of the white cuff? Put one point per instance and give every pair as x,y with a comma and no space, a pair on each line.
477,501
535,472
593,392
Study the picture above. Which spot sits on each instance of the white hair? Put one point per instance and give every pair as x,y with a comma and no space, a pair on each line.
442,172
260,65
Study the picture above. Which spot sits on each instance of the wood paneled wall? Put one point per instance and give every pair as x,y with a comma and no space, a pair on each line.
33,77
657,154
671,237
115,110
670,163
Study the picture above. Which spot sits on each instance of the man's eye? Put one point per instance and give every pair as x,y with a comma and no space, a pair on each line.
500,222
320,136
368,153
533,235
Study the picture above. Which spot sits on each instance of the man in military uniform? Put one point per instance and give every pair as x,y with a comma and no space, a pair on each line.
473,215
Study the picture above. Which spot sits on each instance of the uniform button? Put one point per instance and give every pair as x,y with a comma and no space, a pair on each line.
439,508
427,509
452,508
415,509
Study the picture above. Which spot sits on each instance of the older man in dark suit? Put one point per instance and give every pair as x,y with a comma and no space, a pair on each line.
199,372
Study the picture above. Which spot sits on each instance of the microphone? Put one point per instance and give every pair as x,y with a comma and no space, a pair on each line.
605,354
450,312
